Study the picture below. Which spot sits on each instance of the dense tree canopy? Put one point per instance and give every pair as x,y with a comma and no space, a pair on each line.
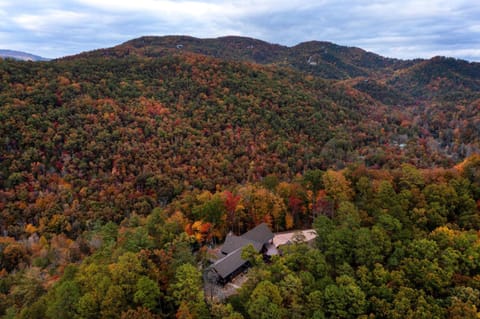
390,243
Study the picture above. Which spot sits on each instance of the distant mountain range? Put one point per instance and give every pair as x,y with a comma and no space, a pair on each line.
19,55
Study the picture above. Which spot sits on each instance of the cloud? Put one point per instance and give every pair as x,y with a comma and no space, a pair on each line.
49,20
198,9
398,28
163,8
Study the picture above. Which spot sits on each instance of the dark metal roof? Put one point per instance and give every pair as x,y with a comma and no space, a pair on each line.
260,233
233,246
233,242
228,264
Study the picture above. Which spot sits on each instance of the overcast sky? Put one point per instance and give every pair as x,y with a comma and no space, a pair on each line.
393,28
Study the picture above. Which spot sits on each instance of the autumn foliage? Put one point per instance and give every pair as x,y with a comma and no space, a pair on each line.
119,167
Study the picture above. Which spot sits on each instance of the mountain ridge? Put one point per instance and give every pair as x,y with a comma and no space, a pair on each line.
326,60
318,58
20,55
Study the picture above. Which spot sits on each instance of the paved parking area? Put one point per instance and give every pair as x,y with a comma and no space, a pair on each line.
218,292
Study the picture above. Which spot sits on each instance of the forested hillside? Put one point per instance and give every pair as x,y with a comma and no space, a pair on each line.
433,103
118,167
125,135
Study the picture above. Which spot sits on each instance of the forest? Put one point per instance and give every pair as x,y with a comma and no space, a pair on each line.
119,167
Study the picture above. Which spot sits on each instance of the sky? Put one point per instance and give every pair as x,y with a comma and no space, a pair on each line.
404,29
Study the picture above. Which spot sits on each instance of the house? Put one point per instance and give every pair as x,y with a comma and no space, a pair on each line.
231,262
